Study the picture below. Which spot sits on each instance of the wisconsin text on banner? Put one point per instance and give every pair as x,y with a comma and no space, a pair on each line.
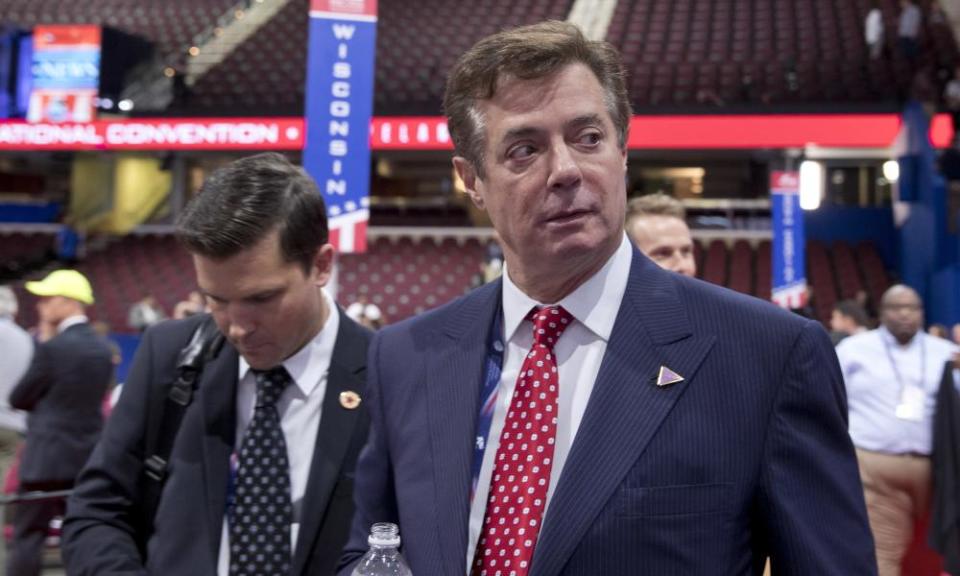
789,276
339,106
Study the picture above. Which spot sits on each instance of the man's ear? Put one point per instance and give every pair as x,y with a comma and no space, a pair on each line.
323,264
468,174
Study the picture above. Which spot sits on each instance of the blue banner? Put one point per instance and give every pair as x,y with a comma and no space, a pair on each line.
789,286
339,95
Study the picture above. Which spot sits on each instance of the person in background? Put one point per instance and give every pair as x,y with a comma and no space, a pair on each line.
938,331
892,375
17,350
873,31
62,393
908,30
194,304
847,318
365,313
145,313
657,224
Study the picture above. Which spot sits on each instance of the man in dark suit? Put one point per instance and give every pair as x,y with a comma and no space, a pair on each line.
62,392
591,413
259,479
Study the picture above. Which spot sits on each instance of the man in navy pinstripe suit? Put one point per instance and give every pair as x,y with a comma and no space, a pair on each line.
695,431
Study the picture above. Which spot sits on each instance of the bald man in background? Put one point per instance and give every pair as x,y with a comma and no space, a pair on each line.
892,375
657,224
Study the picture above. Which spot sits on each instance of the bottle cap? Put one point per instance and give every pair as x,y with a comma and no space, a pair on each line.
384,534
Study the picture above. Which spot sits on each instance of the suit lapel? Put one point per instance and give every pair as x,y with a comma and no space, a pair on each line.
454,380
217,394
625,409
347,372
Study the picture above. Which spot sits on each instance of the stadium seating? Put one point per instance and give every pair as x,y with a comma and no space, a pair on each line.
834,272
406,276
416,43
400,276
776,52
170,24
21,252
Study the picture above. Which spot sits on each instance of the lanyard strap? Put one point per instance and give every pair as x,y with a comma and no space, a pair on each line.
923,363
493,366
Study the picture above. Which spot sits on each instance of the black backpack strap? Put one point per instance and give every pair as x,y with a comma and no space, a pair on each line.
166,413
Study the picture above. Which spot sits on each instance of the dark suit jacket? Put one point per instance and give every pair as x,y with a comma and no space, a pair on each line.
63,390
747,457
99,532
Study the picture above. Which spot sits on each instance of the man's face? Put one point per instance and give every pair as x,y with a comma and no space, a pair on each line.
902,314
554,174
840,323
267,308
665,240
53,310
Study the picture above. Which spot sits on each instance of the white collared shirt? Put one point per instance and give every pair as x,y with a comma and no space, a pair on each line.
299,407
594,306
71,321
874,392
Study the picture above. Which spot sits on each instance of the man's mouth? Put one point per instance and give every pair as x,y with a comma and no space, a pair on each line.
567,216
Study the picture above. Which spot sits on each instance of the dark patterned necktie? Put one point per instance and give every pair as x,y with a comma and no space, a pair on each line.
262,512
521,473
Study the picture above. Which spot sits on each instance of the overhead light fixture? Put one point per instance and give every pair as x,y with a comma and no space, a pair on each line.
891,170
811,184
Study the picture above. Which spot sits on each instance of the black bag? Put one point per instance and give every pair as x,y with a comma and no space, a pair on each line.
163,420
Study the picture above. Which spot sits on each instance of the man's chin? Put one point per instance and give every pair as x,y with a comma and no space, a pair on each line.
259,358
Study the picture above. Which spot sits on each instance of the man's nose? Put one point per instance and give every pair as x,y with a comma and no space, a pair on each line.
564,170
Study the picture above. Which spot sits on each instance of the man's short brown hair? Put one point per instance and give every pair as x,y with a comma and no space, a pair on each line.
658,204
527,53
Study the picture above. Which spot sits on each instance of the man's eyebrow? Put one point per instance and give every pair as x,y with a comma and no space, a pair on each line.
585,120
521,132
528,131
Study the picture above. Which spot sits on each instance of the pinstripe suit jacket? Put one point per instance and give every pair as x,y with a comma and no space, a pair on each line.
747,457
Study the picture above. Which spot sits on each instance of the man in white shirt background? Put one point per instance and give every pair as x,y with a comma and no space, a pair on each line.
892,376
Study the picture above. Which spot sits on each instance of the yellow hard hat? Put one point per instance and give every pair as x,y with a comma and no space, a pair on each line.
66,283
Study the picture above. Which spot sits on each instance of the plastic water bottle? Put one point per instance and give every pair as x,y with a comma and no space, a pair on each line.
383,558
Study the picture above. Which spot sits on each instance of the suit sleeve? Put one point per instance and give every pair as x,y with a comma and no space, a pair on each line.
811,505
36,382
374,495
99,532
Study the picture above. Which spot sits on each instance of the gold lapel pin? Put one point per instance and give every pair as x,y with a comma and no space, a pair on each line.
667,377
349,399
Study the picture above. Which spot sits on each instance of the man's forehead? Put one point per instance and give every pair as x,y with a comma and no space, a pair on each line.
516,97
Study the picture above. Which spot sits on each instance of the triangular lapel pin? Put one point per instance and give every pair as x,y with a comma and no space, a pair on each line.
667,377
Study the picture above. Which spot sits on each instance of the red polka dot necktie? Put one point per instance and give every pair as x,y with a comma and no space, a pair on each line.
521,474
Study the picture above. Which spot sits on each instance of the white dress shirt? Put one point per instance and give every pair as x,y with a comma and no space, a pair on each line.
299,408
71,321
594,306
874,391
17,352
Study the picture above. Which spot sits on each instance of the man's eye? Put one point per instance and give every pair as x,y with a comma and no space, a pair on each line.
591,138
521,152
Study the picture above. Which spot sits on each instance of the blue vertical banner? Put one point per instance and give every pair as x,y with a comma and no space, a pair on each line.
789,287
339,95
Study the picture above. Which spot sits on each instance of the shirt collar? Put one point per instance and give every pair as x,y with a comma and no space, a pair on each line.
890,340
309,364
71,321
590,303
